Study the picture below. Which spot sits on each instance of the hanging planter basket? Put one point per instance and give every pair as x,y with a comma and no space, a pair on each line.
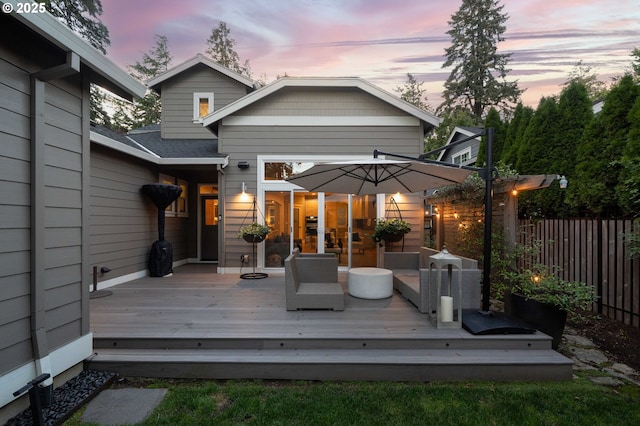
253,238
392,238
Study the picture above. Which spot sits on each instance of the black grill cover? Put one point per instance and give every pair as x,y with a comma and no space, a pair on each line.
161,259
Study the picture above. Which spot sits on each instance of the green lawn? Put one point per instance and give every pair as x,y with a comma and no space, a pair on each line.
577,402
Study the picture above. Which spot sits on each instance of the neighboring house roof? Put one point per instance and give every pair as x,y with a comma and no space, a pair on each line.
459,133
147,144
107,73
352,82
156,82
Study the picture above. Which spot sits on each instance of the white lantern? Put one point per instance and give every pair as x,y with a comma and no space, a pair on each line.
442,310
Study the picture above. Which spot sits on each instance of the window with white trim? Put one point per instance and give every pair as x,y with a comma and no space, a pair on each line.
180,206
462,157
202,105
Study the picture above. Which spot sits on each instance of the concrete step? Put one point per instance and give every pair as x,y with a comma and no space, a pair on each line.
337,364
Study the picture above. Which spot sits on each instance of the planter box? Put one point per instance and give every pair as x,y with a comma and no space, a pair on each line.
544,317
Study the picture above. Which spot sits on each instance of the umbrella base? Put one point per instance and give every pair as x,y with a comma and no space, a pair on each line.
483,323
254,276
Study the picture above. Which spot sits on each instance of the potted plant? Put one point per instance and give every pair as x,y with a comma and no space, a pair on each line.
543,299
390,230
254,233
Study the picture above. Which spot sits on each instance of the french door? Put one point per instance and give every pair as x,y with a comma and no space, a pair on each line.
313,222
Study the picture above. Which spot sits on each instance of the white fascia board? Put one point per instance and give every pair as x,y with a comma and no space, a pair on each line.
49,28
199,59
151,157
125,149
208,161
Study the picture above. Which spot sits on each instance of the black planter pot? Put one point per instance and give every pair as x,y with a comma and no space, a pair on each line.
253,239
546,318
392,238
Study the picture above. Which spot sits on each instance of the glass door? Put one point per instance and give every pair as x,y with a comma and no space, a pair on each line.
363,249
320,223
336,226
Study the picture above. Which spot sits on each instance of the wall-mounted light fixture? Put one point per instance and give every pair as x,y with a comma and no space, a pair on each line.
244,188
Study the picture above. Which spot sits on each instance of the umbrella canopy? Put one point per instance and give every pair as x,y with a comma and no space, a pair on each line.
377,176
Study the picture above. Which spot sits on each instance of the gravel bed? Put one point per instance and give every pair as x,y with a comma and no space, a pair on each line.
68,398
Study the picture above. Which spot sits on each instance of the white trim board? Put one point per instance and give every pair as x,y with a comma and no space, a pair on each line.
60,359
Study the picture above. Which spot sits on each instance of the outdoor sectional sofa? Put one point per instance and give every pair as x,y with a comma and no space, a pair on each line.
411,278
311,282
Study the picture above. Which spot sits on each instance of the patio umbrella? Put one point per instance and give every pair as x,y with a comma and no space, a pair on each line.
377,175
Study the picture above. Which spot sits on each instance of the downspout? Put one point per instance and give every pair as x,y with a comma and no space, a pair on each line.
39,342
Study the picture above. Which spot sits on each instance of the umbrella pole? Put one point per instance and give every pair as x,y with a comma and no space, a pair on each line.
488,214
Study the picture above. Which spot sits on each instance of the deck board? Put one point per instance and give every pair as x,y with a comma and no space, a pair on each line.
235,328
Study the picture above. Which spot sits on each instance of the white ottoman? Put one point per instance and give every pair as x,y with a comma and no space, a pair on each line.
370,283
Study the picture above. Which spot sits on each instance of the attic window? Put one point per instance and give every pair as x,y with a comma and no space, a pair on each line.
202,105
462,157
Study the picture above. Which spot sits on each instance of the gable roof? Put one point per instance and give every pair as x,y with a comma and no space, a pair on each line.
459,133
352,82
155,82
105,72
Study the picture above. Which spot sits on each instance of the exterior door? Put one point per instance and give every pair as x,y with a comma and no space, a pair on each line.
209,228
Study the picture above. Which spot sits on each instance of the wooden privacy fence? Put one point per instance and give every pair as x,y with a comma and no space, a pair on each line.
591,251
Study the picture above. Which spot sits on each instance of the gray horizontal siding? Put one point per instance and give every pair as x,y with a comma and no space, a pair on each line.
177,100
247,141
123,220
63,211
321,102
15,245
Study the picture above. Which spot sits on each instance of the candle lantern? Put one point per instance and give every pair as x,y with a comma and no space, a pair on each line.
448,294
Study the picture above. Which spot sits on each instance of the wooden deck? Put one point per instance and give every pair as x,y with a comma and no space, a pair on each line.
197,323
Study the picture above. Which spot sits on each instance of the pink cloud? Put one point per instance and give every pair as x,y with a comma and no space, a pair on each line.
380,40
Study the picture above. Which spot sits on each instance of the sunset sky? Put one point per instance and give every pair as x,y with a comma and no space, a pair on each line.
381,40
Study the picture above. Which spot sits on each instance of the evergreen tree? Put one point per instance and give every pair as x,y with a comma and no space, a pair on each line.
148,110
222,50
478,78
635,64
499,130
450,119
414,93
539,136
584,75
628,188
600,154
514,134
82,17
575,112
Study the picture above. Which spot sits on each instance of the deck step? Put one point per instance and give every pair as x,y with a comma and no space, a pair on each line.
535,341
337,364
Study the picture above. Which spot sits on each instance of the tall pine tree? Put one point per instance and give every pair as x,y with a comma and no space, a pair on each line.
414,93
222,50
148,109
82,17
478,78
